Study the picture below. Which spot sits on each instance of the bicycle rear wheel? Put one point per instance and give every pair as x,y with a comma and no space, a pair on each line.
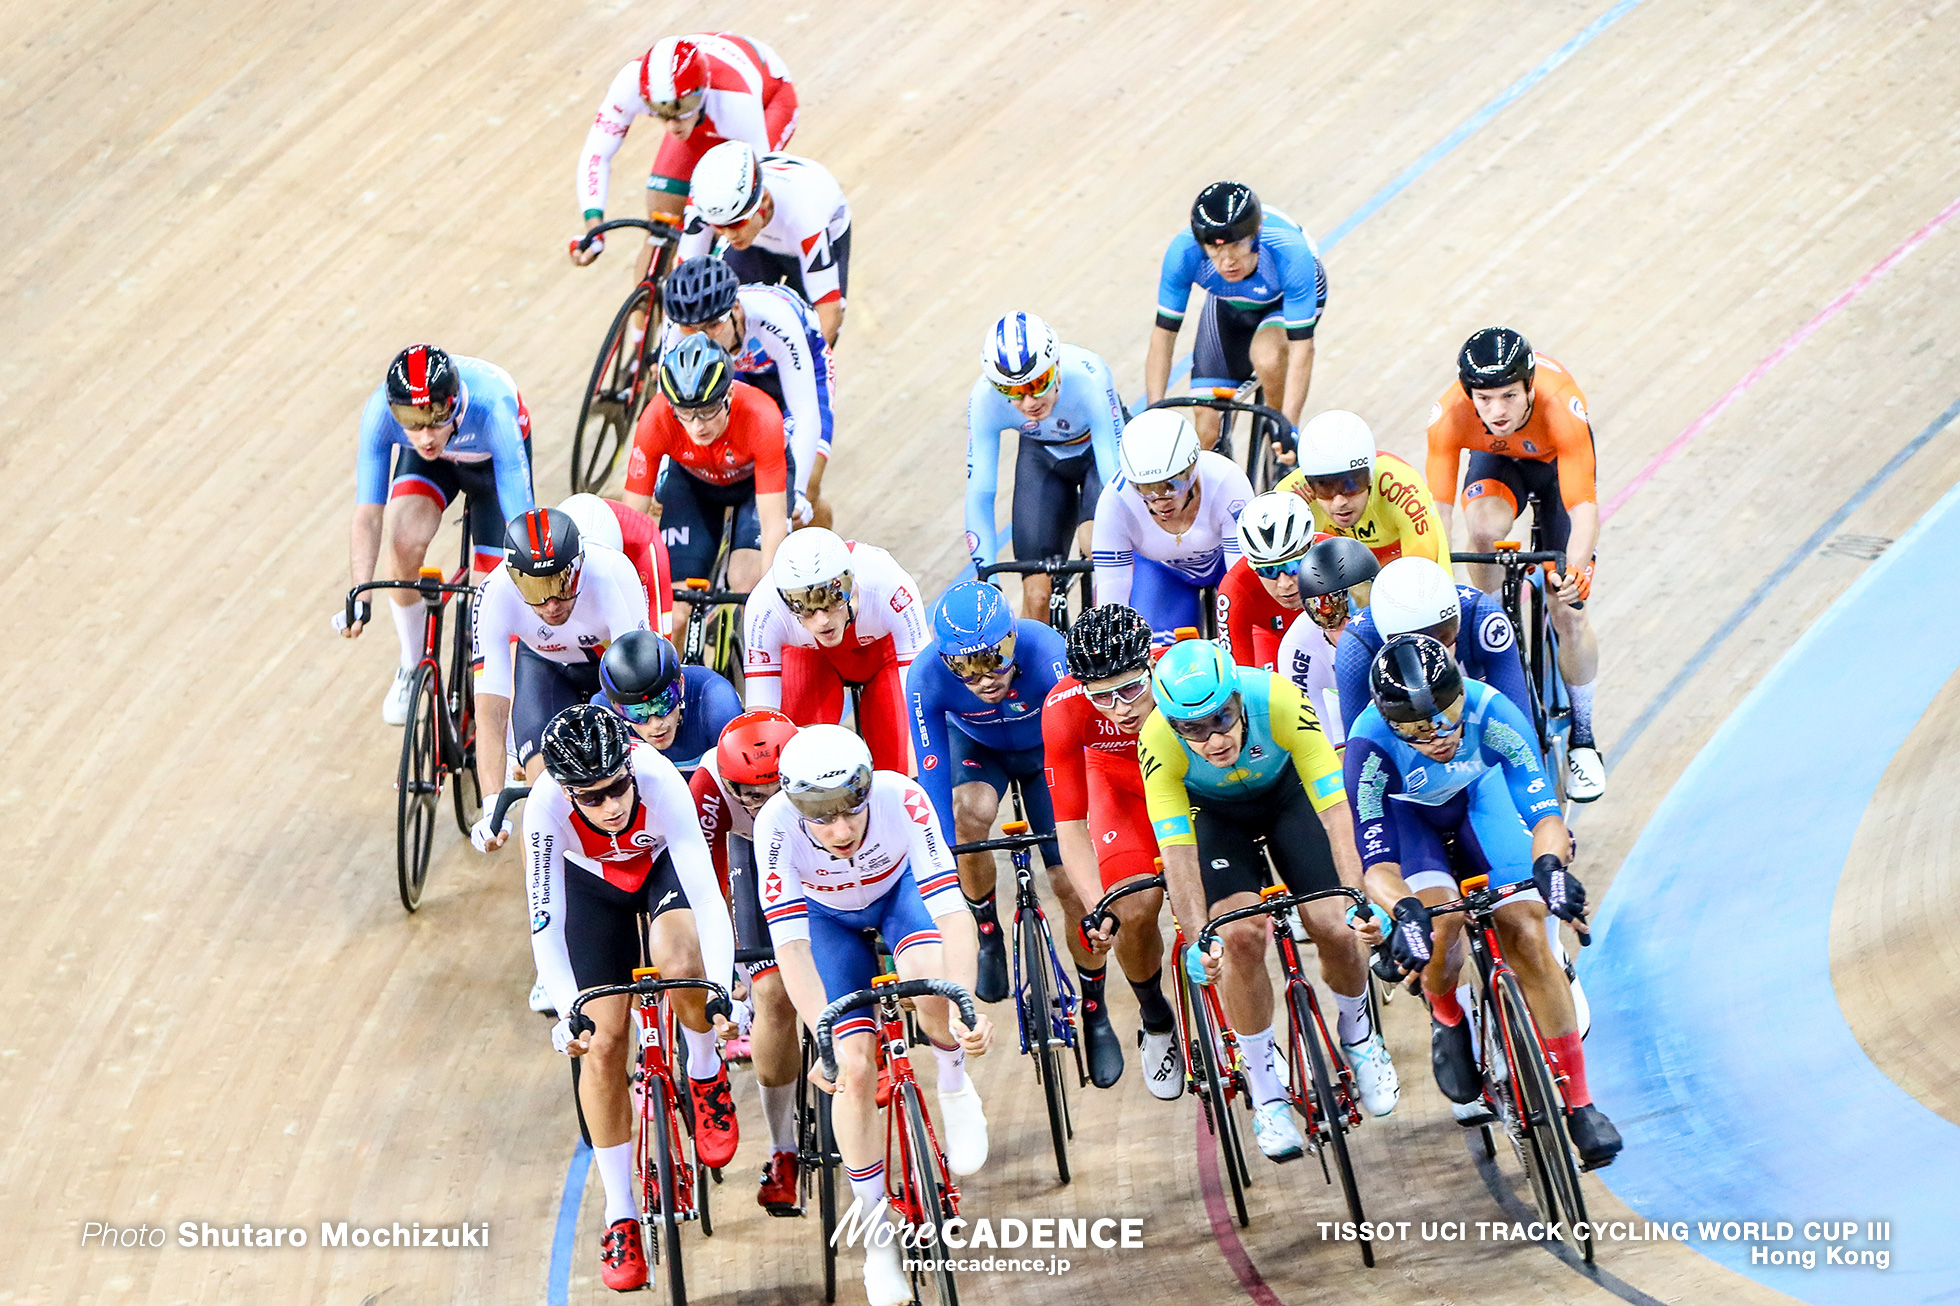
1544,1110
1224,1124
929,1197
1328,1101
466,789
827,1166
666,1241
1038,1023
1502,1080
615,395
417,786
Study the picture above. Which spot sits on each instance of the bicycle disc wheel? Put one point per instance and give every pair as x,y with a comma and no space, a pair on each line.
1038,1019
1547,1114
930,1197
1333,1112
614,396
417,787
666,1155
1205,1046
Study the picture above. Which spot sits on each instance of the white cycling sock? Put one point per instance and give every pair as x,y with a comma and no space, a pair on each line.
1257,1050
409,622
703,1057
616,1173
1582,696
868,1186
952,1067
779,1109
1353,1026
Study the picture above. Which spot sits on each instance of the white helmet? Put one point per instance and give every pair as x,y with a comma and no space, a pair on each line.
826,772
1020,348
1337,442
812,570
1157,445
1276,526
727,184
594,519
1412,594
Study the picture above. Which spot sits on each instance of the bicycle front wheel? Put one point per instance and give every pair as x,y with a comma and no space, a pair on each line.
616,393
667,1157
466,789
1328,1101
1207,1050
1500,1075
417,786
929,1197
1038,1023
1545,1112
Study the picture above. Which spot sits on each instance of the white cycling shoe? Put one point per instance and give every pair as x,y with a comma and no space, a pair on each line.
1163,1065
1374,1075
885,1280
541,1000
1274,1129
1585,775
966,1130
394,708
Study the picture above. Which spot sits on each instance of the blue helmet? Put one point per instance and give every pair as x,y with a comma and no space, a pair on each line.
972,617
1195,678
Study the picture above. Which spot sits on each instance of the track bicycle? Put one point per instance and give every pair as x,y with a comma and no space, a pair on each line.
712,637
920,1187
439,739
1320,1086
621,377
1059,571
1265,426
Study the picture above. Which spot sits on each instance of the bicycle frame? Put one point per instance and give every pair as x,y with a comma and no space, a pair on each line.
1058,571
1551,701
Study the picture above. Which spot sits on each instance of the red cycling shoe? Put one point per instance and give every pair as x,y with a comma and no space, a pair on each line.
778,1194
622,1264
715,1131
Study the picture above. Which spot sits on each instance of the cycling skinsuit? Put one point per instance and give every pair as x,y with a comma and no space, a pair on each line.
1060,469
1486,650
901,880
1489,796
1285,773
1159,574
749,98
701,481
786,670
988,743
1309,661
806,244
1552,451
708,704
1399,520
1288,288
488,457
1093,776
588,888
1250,620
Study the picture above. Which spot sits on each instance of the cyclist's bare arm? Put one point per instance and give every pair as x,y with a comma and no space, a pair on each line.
1579,548
363,550
1340,837
1299,372
492,720
1079,862
1157,364
773,509
1185,886
830,320
641,503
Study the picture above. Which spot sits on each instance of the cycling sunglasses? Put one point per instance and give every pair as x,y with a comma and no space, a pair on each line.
700,416
1040,385
972,668
1273,571
1430,729
540,590
618,787
1159,490
1127,692
755,795
675,110
812,599
1329,487
663,704
1199,729
414,417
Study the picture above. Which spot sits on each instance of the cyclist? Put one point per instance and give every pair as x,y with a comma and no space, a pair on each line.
777,347
680,710
705,88
1366,493
832,614
722,442
1167,527
1261,274
562,604
1457,759
784,220
1089,736
613,524
1235,755
1520,446
977,710
454,426
1061,400
730,786
845,848
611,838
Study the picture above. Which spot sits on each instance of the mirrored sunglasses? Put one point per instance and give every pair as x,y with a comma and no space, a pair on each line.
618,787
1127,692
1040,385
1199,729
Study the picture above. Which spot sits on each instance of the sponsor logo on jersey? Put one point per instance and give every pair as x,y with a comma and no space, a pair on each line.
1494,632
1435,413
1417,780
1257,750
917,807
772,888
539,920
1578,408
901,599
1220,864
667,897
1109,836
1475,491
929,761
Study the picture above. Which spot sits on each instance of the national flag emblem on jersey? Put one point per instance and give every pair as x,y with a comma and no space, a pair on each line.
917,807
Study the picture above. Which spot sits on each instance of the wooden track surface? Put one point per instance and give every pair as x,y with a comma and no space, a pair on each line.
222,223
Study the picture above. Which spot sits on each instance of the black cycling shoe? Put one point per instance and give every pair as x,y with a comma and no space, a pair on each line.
1104,1048
1455,1065
990,985
1594,1135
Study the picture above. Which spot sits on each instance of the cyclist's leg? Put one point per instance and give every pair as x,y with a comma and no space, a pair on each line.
1045,510
540,690
602,940
1029,767
979,782
1268,354
1578,647
813,689
1234,872
421,489
923,932
1092,488
691,530
1297,842
845,963
1125,849
673,168
1220,360
1166,599
1492,491
881,703
745,554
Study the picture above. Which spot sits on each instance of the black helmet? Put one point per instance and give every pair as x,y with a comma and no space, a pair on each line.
1495,357
1336,564
542,554
1225,211
700,290
583,745
422,377
1414,678
696,373
638,667
1106,641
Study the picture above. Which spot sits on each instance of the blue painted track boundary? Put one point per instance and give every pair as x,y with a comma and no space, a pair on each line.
1718,1043
558,1279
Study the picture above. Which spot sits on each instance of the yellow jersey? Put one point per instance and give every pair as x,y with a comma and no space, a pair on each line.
1399,521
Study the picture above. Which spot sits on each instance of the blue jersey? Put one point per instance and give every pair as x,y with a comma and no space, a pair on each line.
1087,410
1011,725
1288,270
486,431
708,704
1486,650
1381,766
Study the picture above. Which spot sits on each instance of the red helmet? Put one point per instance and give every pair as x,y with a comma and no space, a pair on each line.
750,746
673,70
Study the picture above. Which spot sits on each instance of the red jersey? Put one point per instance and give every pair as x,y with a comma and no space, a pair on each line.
1252,619
752,445
1076,740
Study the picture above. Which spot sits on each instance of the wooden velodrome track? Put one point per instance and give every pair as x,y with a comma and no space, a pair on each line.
221,222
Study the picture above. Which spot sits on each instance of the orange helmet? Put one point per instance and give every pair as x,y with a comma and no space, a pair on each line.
750,746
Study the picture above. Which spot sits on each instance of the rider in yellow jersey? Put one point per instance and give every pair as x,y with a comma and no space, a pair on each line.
1361,492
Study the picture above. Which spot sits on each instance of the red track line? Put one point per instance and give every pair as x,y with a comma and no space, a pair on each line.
1777,355
1221,1219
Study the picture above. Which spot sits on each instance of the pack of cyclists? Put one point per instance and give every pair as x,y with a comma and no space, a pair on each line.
1360,719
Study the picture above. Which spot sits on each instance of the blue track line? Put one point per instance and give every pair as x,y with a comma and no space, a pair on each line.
558,1279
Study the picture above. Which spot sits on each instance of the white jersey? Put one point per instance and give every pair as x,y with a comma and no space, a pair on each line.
558,842
886,600
735,816
795,871
1307,659
811,214
611,601
1125,530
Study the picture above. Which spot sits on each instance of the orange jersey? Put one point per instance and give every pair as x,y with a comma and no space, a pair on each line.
1558,428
